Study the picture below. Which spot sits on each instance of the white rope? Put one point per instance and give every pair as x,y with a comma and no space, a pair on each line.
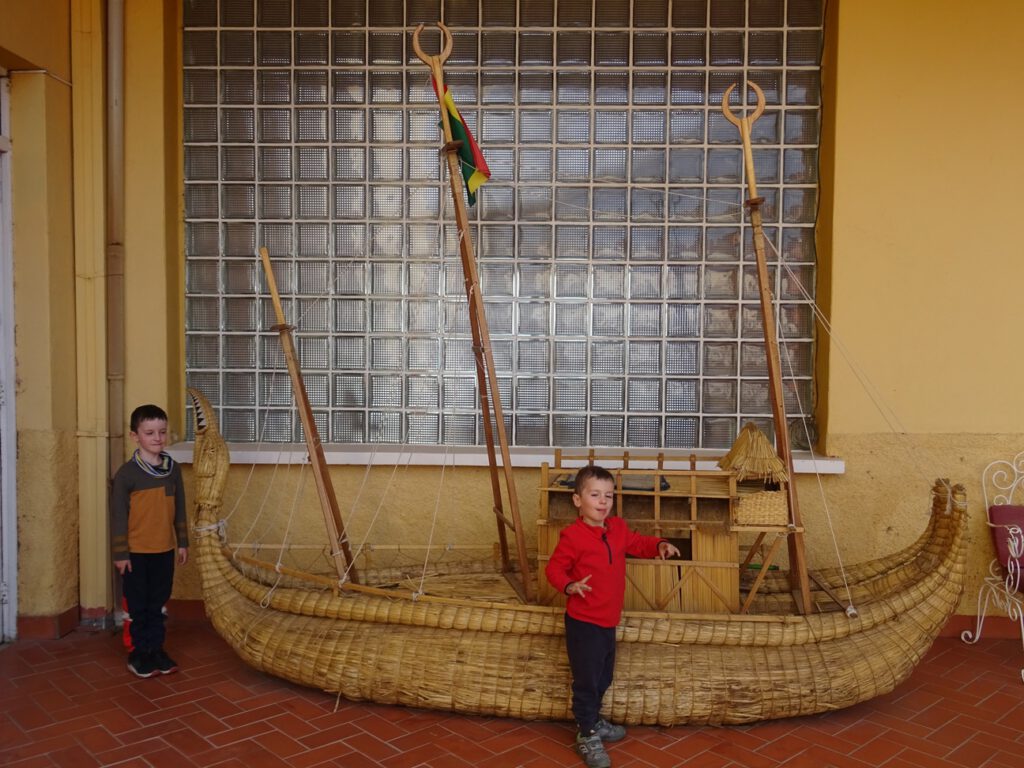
851,610
870,389
268,596
252,467
263,503
219,527
891,420
299,485
373,520
362,486
433,524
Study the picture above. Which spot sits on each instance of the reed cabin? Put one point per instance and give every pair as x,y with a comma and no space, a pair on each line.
703,512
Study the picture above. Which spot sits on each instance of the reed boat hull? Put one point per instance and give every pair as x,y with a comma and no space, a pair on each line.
506,660
509,660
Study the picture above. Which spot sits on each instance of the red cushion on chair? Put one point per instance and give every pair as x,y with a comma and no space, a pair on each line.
1001,516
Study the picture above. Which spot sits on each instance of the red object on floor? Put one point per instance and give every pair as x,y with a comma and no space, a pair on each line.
126,627
71,702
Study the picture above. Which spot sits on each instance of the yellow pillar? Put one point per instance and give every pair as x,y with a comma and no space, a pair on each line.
87,52
44,306
154,283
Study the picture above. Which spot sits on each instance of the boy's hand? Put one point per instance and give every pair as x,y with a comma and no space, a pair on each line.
123,566
666,550
579,587
182,555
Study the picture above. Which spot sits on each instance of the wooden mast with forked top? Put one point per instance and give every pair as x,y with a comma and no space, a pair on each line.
799,581
340,551
487,380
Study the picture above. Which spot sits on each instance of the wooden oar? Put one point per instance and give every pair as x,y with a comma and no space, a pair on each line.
797,559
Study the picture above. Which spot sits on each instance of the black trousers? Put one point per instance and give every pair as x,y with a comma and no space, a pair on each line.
147,588
592,660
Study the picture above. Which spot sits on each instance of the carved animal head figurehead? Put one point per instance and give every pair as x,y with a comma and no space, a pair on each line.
210,457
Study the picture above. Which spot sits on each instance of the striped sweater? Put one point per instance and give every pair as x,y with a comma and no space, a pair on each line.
147,513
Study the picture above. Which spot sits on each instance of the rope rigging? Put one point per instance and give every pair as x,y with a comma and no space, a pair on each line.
442,229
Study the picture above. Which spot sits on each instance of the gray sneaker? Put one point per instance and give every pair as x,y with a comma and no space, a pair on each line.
592,751
609,732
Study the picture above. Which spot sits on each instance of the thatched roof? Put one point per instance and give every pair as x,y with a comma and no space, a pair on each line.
752,456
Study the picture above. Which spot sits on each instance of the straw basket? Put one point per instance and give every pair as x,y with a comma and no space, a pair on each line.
763,508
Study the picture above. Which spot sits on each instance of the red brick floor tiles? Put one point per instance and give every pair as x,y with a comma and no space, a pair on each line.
71,702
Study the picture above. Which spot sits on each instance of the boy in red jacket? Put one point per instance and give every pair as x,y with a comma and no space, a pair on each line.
589,565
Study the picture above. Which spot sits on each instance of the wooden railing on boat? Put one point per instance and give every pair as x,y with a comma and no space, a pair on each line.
694,508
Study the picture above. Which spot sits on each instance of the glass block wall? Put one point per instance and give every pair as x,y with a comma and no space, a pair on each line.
613,251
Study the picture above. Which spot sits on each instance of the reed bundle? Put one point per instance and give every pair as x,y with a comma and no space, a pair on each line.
752,457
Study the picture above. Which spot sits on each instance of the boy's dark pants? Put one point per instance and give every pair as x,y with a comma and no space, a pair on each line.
147,588
592,661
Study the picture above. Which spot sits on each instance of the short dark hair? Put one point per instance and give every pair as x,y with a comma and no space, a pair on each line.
146,413
591,472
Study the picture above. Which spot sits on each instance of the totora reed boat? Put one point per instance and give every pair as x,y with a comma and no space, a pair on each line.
711,638
383,645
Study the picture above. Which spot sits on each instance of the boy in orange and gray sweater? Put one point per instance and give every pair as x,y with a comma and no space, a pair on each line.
147,525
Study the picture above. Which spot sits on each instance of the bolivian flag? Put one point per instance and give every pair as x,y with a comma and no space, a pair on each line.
474,167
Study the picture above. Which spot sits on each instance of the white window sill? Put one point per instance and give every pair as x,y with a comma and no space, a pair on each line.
473,456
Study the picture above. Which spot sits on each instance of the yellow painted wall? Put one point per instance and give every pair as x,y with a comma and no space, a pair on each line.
922,271
34,35
926,269
44,310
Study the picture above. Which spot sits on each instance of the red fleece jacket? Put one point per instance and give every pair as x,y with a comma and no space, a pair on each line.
600,552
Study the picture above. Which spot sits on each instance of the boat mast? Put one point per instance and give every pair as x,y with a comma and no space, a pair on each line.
487,380
340,551
799,582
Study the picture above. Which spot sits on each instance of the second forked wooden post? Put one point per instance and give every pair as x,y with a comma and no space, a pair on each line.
797,559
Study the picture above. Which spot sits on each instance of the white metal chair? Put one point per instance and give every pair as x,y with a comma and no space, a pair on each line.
1003,486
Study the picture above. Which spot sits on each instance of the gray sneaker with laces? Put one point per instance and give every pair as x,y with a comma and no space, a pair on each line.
592,751
609,732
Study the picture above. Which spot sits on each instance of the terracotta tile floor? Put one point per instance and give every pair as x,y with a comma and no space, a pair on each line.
70,702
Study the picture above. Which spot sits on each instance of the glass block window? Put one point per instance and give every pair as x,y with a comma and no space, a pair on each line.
614,253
